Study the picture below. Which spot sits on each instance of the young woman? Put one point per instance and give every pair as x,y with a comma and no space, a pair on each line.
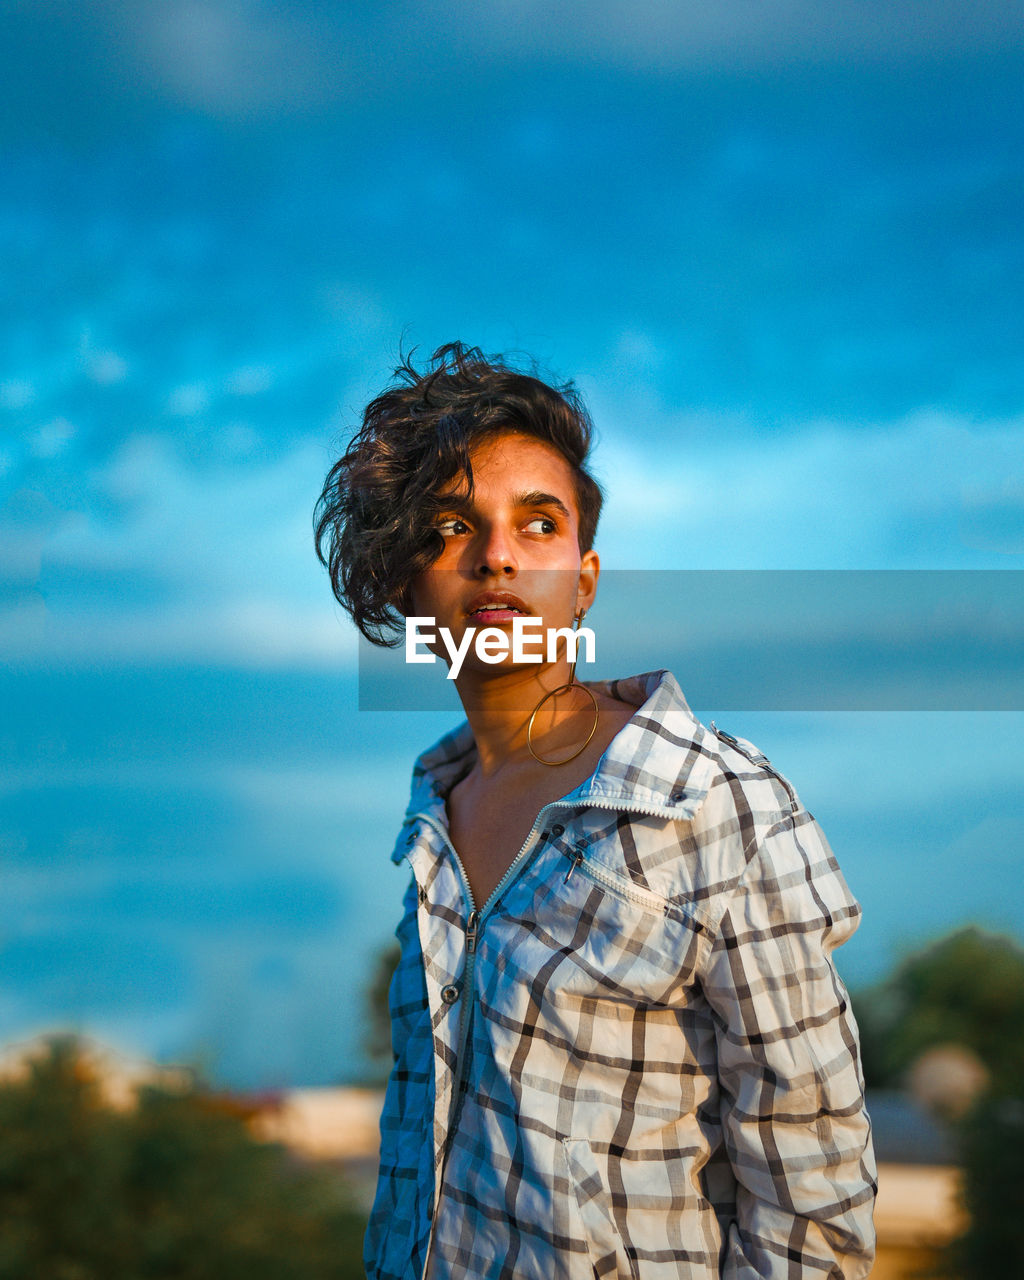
621,1047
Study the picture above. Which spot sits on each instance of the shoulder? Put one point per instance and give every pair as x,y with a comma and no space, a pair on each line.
751,821
665,750
780,856
437,769
748,777
722,796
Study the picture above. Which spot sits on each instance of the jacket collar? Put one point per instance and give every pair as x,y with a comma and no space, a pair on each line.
660,763
662,760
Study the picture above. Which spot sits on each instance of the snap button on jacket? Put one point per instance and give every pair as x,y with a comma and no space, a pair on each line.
650,1068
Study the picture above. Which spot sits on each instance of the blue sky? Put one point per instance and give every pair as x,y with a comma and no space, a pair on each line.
778,247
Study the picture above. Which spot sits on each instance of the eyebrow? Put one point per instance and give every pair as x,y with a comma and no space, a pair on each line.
536,498
461,502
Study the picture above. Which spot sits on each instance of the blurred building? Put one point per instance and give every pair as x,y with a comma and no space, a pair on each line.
918,1208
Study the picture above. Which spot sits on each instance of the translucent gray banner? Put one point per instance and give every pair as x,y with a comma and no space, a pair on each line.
782,640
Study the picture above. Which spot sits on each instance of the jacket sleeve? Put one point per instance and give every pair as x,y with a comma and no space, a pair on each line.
794,1124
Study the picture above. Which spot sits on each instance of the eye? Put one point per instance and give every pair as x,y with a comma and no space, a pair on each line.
542,524
452,527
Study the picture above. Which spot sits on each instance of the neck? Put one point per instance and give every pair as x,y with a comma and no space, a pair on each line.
498,707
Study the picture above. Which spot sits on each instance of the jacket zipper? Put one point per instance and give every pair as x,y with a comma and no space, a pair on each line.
576,858
475,916
474,924
472,930
593,871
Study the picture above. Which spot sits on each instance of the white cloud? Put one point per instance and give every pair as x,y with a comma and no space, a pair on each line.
53,438
208,563
661,34
234,57
250,632
216,562
693,492
107,368
16,393
22,626
188,400
251,380
992,515
315,787
28,520
318,789
205,525
895,764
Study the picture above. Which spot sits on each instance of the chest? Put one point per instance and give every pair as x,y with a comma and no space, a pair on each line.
489,829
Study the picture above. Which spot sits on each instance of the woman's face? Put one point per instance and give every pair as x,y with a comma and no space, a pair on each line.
512,548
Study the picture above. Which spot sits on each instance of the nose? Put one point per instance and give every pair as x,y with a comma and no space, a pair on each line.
496,554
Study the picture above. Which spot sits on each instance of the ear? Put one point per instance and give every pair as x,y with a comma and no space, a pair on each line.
586,588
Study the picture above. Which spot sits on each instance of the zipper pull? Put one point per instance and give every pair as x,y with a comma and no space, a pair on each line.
471,928
577,858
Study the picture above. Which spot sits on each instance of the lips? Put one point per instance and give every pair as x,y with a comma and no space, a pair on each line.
496,606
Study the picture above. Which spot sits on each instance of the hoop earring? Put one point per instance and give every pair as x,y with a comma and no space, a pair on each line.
570,684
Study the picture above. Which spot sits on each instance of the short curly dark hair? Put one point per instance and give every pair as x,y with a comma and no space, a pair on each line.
374,521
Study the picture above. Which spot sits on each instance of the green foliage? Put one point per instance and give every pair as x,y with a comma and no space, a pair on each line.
378,1034
175,1188
992,1155
966,989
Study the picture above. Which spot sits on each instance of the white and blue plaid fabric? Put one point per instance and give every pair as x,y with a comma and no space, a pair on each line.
637,1059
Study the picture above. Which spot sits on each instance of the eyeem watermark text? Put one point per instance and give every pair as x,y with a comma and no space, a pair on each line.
527,643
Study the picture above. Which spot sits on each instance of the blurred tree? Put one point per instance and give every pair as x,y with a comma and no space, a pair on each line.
991,1145
175,1187
378,1032
966,989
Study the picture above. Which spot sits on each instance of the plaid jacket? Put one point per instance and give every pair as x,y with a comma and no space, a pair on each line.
636,1058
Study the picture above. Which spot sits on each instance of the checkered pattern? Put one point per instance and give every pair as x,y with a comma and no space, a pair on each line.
659,1072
